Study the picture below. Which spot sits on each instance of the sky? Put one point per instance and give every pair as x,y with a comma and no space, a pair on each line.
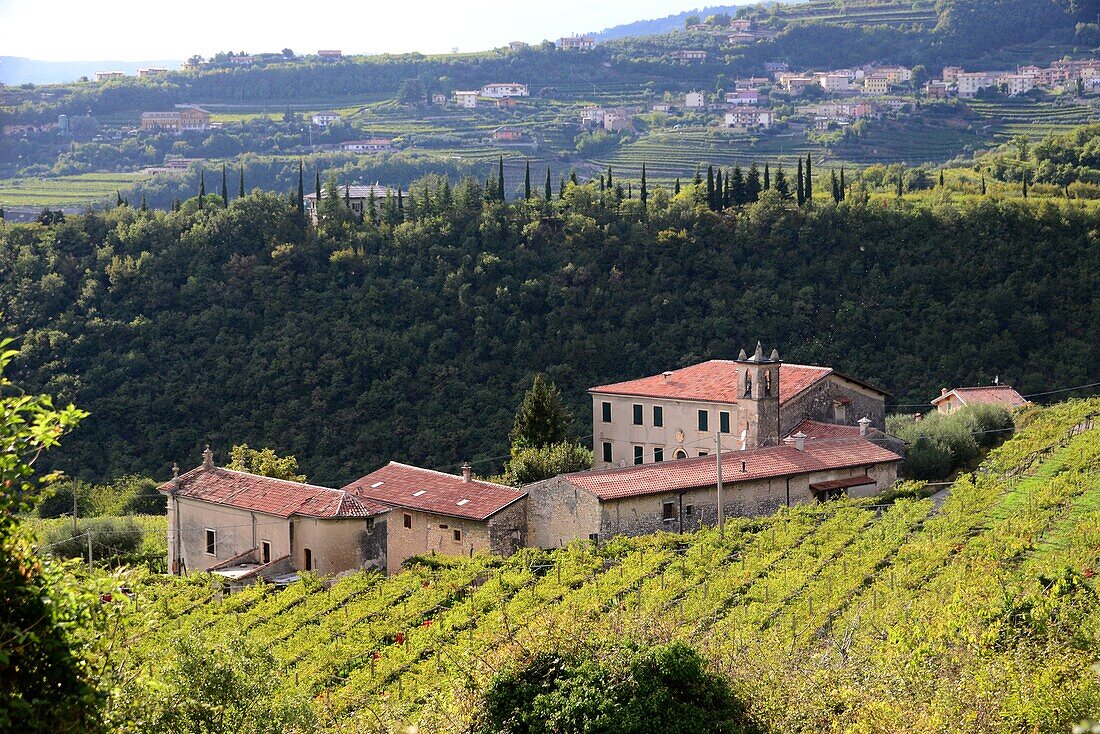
78,30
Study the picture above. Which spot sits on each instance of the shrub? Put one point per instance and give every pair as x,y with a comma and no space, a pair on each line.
940,444
534,465
113,541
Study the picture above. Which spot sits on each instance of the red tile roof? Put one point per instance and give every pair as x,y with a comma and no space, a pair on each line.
271,496
713,381
1005,395
816,430
764,463
844,483
436,492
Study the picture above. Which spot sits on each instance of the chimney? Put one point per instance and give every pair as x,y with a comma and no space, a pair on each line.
175,476
864,424
466,472
943,391
207,458
799,441
742,465
666,374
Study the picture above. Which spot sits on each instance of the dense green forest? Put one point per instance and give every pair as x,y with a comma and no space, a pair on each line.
412,337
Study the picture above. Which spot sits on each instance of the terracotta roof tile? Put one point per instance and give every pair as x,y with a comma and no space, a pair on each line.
764,463
436,492
1005,395
816,430
713,381
271,496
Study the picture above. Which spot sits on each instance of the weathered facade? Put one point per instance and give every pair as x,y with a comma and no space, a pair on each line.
435,512
753,401
681,496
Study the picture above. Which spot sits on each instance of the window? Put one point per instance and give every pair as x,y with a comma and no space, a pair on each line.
668,510
658,416
689,510
724,421
704,420
211,542
606,412
768,383
266,551
309,559
658,454
839,412
704,453
748,385
637,414
607,452
680,454
407,520
638,454
458,535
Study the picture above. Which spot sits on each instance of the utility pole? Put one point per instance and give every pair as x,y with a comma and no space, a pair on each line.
74,505
721,513
90,550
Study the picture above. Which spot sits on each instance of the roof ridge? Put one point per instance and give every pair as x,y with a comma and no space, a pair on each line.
262,476
449,475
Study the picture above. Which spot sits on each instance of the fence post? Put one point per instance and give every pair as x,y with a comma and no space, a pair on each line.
89,549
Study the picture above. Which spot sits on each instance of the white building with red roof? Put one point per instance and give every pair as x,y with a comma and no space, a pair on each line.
436,512
249,526
1005,395
752,400
681,496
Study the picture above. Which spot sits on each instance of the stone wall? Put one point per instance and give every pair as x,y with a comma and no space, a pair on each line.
559,512
508,529
430,533
819,403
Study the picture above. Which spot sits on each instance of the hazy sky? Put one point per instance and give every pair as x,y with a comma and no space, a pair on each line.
69,30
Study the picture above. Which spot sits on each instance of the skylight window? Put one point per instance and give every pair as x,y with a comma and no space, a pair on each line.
376,485
419,492
462,502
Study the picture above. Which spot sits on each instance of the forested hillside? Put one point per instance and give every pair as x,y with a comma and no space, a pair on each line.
977,615
351,344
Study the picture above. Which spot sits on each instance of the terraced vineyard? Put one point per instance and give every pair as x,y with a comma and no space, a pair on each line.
881,618
1005,118
86,188
921,14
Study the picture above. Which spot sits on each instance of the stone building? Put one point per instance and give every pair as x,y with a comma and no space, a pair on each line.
248,526
681,496
435,512
752,400
1004,395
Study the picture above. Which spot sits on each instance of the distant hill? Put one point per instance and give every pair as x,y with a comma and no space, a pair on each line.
664,25
18,70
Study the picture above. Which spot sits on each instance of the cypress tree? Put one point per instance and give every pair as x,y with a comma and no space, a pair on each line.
500,179
710,188
767,177
644,193
676,187
527,180
302,193
118,198
549,193
400,206
781,184
752,185
899,186
629,190
983,184
719,197
573,176
176,204
2,213
941,178
843,188
225,188
602,182
698,178
202,187
1025,184
610,182
836,186
240,185
737,187
561,187
800,192
316,186
727,194
347,196
144,205
372,207
809,181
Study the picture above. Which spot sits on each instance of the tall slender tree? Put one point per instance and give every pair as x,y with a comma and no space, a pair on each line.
527,180
737,187
372,207
225,188
144,203
983,184
202,187
710,188
809,181
941,178
317,186
900,191
1025,183
610,182
836,186
240,185
561,187
719,196
676,187
800,192
843,187
400,205
549,194
500,179
753,186
573,176
781,184
644,194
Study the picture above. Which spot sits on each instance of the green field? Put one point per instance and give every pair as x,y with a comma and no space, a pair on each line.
847,616
86,188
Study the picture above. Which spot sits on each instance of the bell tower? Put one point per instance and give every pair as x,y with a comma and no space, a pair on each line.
758,397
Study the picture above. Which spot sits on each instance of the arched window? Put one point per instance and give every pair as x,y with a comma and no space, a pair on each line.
768,383
748,385
680,454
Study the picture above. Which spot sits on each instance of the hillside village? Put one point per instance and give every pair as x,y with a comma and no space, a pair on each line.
674,452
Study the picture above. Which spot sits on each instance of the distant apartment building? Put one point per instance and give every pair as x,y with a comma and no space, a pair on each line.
615,120
592,116
743,97
741,25
508,134
748,118
330,54
876,84
1018,83
951,74
439,99
896,74
695,100
970,83
936,90
373,145
834,82
242,60
740,37
517,46
686,55
324,119
103,76
185,119
356,198
576,43
151,71
502,90
752,82
797,84
468,99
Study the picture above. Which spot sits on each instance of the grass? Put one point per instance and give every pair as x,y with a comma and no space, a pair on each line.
85,188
